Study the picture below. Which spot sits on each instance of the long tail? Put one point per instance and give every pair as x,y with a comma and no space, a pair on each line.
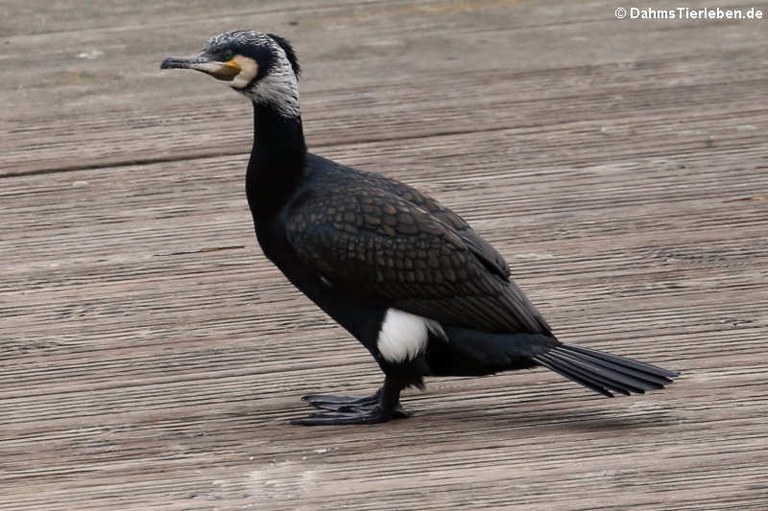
604,373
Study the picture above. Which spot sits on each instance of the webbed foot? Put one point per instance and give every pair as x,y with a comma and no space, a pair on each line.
381,406
352,414
340,403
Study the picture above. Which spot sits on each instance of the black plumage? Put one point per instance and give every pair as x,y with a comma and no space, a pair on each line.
410,279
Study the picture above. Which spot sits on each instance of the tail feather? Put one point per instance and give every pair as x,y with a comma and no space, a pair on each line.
604,373
616,376
587,382
604,383
627,362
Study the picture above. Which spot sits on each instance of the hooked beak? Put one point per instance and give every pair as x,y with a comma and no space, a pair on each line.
226,71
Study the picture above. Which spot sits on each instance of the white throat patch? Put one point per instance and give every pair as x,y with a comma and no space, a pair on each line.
403,336
248,71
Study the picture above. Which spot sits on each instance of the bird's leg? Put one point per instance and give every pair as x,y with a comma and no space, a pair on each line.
382,406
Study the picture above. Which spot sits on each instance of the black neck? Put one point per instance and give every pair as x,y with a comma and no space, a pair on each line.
276,164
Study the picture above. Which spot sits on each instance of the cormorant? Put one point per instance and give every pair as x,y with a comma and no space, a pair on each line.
407,277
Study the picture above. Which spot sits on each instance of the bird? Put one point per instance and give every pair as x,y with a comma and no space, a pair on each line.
407,277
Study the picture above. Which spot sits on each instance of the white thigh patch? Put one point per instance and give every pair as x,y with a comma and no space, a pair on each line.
403,335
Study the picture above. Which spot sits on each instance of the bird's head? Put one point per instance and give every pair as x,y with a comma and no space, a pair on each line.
261,66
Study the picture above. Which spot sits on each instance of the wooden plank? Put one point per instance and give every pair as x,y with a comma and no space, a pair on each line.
150,356
98,126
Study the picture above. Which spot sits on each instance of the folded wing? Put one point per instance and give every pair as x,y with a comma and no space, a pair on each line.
376,244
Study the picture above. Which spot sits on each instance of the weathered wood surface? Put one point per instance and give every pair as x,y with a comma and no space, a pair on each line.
150,356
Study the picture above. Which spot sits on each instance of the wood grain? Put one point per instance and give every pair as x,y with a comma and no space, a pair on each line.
150,356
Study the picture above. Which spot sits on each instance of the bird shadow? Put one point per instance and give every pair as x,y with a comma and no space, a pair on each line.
580,418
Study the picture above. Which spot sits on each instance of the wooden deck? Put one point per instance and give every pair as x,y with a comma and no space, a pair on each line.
150,356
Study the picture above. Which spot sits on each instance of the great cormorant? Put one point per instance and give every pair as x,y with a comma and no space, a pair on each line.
407,277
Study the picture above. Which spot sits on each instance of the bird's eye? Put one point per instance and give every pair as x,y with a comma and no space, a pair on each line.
226,55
